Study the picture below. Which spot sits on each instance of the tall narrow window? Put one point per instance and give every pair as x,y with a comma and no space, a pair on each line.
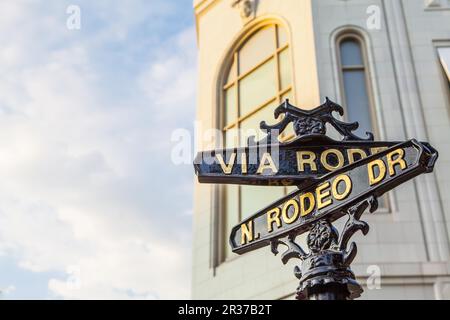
258,80
355,88
444,57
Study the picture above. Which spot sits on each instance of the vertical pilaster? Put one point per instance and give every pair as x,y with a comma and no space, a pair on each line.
412,110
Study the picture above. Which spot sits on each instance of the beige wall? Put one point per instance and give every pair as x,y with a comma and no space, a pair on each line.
219,29
399,242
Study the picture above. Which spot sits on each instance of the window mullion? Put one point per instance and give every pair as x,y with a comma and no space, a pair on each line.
277,65
278,79
354,68
236,83
244,66
258,108
246,73
238,125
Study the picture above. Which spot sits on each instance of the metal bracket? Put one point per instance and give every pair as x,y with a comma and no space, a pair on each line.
329,256
309,123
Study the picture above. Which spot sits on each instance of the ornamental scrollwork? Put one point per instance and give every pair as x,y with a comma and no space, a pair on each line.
309,123
329,256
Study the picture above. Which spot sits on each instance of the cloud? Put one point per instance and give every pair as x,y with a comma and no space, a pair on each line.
86,180
7,291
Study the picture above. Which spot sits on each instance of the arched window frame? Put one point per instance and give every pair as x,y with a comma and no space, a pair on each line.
219,211
356,36
445,79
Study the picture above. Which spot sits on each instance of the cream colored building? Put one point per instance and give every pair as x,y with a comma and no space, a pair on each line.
386,62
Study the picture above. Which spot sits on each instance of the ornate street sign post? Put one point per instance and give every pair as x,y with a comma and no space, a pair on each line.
334,179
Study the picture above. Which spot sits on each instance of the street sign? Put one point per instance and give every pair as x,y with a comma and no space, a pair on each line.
308,157
329,197
292,163
334,179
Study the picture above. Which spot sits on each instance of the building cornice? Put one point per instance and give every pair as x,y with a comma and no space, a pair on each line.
201,5
200,8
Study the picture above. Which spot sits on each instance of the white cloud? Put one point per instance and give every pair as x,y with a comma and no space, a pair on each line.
171,79
7,291
83,181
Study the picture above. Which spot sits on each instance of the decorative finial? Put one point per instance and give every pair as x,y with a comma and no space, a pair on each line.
247,9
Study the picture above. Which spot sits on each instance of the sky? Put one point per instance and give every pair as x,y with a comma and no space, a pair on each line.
91,205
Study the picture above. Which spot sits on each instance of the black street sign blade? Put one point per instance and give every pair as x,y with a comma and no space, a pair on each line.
333,178
293,163
327,198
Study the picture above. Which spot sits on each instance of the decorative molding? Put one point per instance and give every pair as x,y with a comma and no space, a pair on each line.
247,9
432,5
442,288
431,211
309,123
329,256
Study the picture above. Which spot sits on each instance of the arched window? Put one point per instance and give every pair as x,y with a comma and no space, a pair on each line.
355,88
444,58
258,79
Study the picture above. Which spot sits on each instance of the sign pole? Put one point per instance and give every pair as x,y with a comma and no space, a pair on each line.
325,272
334,179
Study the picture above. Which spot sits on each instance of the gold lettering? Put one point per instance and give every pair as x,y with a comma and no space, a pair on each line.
378,150
226,168
287,205
348,187
373,179
244,163
400,153
312,203
352,152
309,160
267,158
273,216
327,165
320,195
247,232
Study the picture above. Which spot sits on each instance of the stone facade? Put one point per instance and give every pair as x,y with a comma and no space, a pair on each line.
409,245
